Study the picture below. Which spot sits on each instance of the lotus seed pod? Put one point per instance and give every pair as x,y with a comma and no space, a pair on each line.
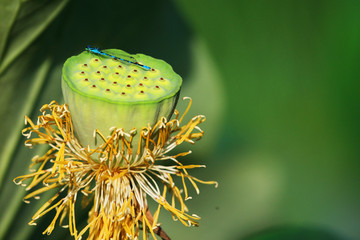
104,92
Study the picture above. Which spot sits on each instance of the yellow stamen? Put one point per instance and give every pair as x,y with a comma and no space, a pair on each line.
110,177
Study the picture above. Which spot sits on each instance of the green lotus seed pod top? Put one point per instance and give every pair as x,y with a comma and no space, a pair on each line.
104,92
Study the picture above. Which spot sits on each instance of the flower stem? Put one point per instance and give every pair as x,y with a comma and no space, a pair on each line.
158,230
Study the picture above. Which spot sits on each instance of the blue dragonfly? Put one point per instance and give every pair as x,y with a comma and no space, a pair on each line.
97,51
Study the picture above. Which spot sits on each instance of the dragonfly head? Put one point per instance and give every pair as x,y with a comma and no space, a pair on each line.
92,49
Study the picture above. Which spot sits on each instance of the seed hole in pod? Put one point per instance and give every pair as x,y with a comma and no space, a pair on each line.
122,93
145,78
162,79
128,85
108,90
117,73
115,82
119,66
141,91
86,79
157,87
102,79
153,70
82,72
94,86
104,66
135,70
140,84
96,59
129,76
85,65
98,72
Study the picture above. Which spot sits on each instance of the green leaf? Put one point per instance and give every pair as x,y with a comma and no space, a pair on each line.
29,20
22,77
8,13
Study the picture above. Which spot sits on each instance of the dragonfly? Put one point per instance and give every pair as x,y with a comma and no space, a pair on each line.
97,51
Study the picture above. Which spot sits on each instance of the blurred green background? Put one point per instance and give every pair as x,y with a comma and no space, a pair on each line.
278,81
